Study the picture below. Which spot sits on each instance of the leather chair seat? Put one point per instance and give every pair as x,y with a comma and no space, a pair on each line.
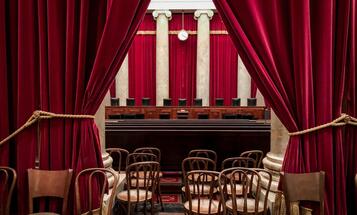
206,189
204,206
250,205
134,197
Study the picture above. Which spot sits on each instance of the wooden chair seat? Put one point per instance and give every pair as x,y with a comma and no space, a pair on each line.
239,189
250,205
208,179
206,189
93,212
204,206
134,197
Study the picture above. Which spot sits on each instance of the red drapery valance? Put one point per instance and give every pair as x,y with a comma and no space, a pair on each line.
59,56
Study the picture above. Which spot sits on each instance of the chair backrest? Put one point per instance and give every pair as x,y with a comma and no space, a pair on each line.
167,102
201,189
197,102
90,178
114,101
257,155
238,162
49,183
144,173
235,101
118,155
8,179
197,163
205,153
303,187
244,183
140,157
251,102
219,101
152,150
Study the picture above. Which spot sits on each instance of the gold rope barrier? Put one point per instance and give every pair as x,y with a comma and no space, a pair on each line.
344,119
38,115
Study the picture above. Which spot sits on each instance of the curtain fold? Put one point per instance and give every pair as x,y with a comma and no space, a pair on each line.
223,64
298,53
59,56
182,60
142,63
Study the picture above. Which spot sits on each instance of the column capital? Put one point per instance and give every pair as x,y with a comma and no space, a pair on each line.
157,13
208,13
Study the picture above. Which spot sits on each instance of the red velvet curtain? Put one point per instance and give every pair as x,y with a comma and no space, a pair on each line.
182,60
59,56
298,53
142,63
223,64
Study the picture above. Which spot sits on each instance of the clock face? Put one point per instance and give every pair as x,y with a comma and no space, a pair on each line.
182,35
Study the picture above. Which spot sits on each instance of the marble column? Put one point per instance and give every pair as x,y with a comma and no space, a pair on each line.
273,161
244,83
100,121
260,98
162,18
203,54
122,82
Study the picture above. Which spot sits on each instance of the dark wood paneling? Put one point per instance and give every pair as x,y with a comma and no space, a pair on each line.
153,112
176,138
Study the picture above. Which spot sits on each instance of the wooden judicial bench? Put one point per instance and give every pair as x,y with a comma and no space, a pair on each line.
176,137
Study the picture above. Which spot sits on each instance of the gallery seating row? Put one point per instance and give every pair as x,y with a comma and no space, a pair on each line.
183,102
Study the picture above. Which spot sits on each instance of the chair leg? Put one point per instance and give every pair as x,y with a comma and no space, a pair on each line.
159,197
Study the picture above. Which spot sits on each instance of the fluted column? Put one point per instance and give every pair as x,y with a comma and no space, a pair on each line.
273,161
203,54
162,18
122,82
244,83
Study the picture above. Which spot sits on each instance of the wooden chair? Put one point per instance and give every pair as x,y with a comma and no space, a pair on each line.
205,153
303,186
200,193
196,163
257,155
90,178
238,162
240,190
8,180
118,155
146,154
49,183
152,150
140,189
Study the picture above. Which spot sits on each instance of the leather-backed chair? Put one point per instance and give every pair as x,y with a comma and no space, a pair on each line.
257,155
303,187
130,102
219,102
235,101
182,102
167,102
90,178
146,101
49,183
251,102
8,176
114,101
197,102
